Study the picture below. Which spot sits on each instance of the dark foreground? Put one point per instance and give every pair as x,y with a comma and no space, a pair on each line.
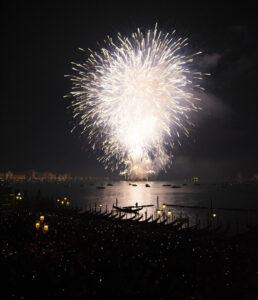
83,256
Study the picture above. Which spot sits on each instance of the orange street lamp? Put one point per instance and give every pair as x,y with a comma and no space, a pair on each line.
158,211
42,218
65,198
67,203
37,225
214,215
45,228
169,213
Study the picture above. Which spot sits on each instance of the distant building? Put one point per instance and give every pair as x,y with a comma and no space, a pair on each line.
31,175
9,175
19,177
239,177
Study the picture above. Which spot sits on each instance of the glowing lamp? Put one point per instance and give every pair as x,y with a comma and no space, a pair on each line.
67,203
58,200
17,197
20,198
100,205
37,225
62,202
164,206
41,218
65,198
45,228
158,211
169,213
214,215
19,194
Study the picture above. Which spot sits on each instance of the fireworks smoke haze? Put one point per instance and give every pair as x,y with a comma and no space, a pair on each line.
133,99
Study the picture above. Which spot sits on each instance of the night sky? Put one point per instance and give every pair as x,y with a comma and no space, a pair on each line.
40,41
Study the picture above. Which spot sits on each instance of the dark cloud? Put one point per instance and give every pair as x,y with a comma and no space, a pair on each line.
209,61
239,28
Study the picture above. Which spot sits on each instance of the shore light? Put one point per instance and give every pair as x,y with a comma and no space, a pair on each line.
214,215
37,225
65,198
62,202
164,206
100,205
17,197
45,228
41,218
58,200
158,211
19,194
169,213
67,203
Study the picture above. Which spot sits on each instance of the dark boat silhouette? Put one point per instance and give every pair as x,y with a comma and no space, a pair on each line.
147,185
100,187
134,184
166,184
176,187
128,209
110,184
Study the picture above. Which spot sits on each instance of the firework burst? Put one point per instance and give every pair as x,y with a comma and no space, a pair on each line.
133,99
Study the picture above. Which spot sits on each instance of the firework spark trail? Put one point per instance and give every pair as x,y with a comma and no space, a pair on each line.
133,99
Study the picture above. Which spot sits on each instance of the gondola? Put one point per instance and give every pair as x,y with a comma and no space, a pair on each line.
128,209
145,221
112,217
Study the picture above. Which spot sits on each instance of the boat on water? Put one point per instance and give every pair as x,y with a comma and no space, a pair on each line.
134,184
166,184
147,185
110,184
176,187
128,209
100,187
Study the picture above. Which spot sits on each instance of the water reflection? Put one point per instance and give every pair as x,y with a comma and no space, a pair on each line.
208,195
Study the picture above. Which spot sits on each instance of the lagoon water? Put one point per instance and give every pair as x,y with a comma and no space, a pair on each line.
235,196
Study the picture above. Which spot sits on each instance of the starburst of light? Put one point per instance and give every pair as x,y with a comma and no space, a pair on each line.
133,99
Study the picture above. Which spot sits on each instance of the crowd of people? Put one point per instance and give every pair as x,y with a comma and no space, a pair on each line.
87,256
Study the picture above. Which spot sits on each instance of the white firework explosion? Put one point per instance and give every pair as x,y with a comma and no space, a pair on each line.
133,99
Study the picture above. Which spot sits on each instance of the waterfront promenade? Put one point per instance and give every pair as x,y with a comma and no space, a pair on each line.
85,256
